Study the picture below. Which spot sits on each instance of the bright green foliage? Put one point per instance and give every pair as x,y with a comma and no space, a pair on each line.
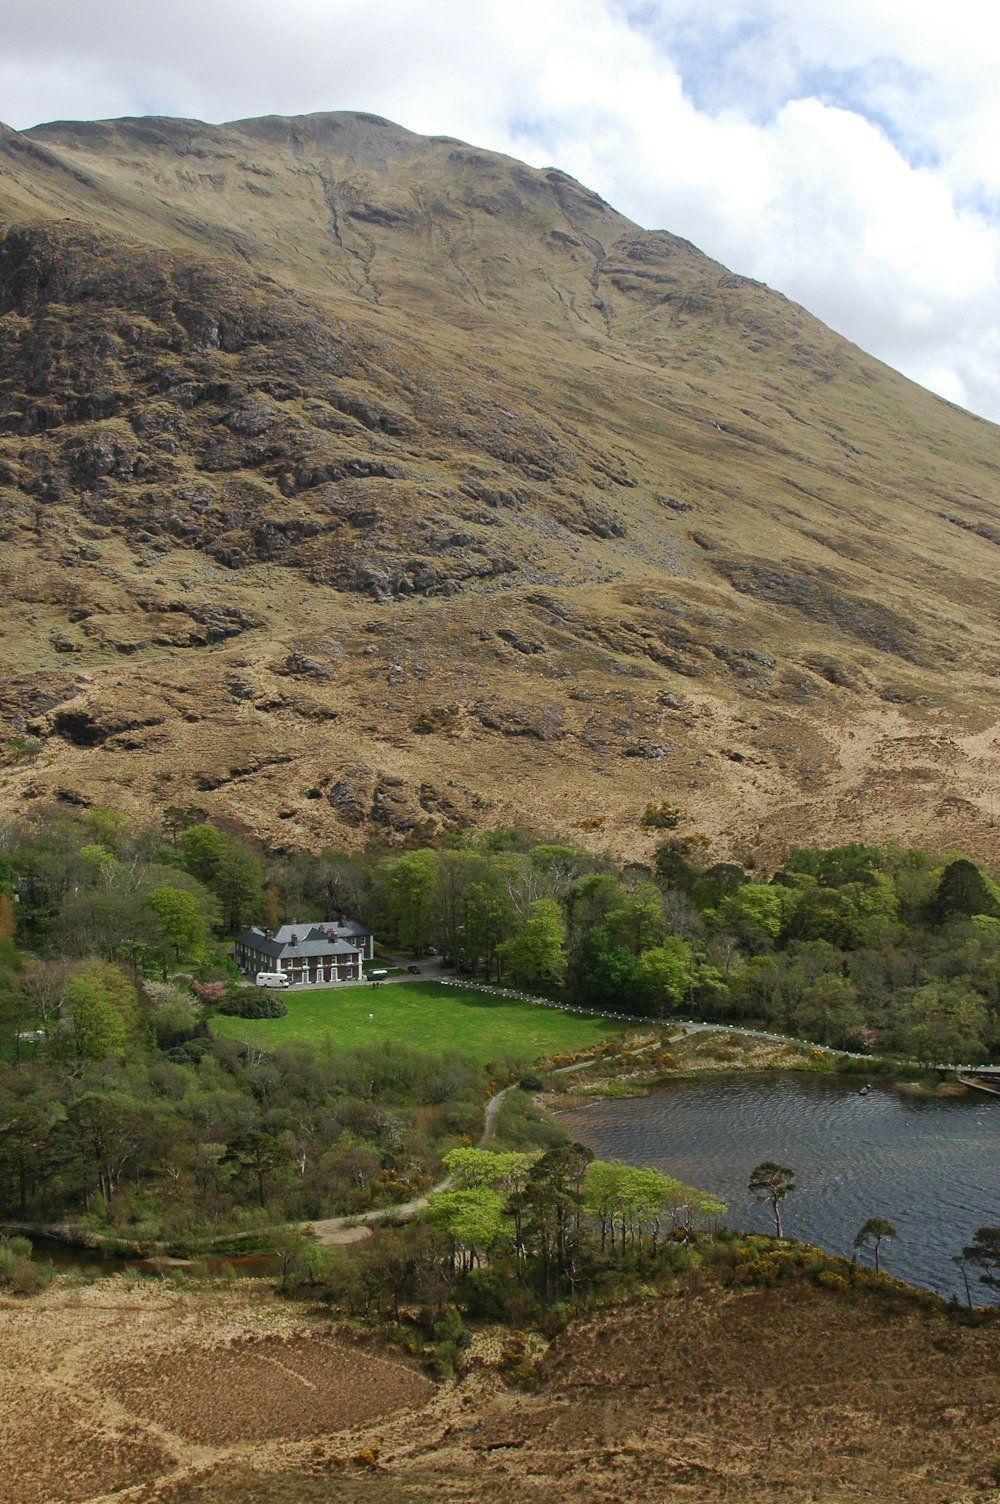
97,859
636,920
536,955
756,913
473,1219
664,975
103,1007
851,916
201,847
472,1169
632,1203
180,917
108,826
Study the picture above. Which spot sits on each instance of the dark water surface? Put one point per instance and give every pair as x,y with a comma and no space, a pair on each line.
931,1166
93,1261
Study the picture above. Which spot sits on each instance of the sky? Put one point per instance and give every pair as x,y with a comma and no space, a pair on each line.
845,152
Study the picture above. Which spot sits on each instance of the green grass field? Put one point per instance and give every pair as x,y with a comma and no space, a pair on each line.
426,1016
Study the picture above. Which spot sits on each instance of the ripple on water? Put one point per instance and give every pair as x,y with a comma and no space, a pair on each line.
931,1166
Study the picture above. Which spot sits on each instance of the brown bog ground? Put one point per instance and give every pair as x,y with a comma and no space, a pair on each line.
160,1397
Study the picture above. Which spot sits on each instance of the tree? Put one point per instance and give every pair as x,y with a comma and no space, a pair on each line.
178,817
636,920
179,915
547,1215
536,955
962,891
490,917
497,1169
828,1010
872,1234
664,974
201,848
851,916
236,883
25,1153
259,1157
103,1006
942,1022
407,892
756,914
109,1131
984,1252
771,1183
473,1220
606,973
629,1201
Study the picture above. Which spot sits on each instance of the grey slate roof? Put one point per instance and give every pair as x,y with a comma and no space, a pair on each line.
311,931
313,940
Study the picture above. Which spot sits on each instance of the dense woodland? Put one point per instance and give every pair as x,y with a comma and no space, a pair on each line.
118,1105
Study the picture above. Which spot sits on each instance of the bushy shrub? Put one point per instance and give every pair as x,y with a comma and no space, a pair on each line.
254,1002
18,1271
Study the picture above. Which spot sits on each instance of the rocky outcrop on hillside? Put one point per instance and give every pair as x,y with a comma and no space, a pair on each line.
357,483
181,404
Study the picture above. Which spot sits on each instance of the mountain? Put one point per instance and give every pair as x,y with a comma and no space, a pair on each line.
356,483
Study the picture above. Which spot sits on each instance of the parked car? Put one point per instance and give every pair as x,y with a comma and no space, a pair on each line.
414,969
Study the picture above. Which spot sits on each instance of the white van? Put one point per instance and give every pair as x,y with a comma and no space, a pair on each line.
272,979
377,976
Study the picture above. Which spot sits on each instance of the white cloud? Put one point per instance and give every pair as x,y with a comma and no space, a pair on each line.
843,153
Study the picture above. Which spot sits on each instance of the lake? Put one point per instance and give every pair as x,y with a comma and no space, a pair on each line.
930,1166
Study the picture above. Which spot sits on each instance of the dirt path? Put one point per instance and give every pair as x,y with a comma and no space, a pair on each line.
353,1229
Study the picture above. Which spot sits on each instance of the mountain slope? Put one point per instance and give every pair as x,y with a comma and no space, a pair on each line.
352,480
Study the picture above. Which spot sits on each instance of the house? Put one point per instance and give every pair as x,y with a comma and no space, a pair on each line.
319,953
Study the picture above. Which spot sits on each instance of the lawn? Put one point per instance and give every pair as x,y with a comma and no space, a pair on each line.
426,1016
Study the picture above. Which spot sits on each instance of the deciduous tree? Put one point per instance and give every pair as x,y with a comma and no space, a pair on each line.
536,954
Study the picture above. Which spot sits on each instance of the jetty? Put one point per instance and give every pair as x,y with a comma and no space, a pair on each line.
982,1078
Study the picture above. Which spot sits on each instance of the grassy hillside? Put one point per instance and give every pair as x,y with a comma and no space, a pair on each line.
354,482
